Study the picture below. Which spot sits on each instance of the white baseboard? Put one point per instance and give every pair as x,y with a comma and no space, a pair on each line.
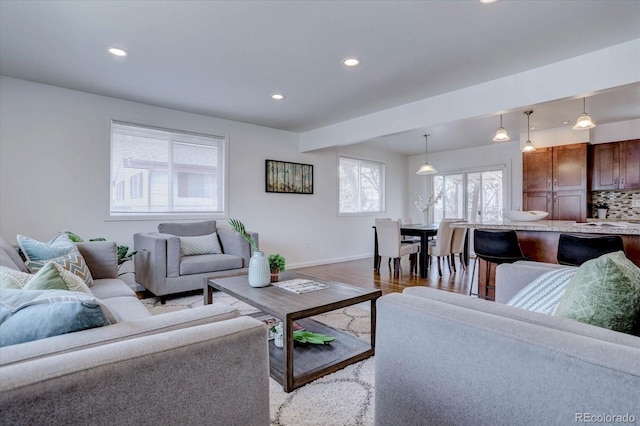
328,261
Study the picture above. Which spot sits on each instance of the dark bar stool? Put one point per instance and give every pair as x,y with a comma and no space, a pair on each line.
495,247
574,250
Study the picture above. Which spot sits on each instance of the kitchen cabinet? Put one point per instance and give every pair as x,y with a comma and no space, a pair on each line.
555,181
615,165
561,205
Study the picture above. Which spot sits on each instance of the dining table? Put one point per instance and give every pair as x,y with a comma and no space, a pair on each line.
422,231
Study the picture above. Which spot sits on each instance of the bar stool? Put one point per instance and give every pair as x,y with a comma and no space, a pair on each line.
574,250
495,247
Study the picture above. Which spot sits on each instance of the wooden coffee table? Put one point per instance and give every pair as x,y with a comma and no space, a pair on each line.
295,365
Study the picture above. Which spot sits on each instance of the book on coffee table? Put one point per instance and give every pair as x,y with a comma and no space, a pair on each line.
300,285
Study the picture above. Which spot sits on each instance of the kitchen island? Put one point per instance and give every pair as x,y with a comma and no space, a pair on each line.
539,241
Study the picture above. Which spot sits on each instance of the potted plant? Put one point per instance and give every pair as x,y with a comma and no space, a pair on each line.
276,265
258,264
602,208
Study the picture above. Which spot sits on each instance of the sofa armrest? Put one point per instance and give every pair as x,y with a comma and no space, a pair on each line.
152,263
507,370
233,243
513,277
197,375
101,258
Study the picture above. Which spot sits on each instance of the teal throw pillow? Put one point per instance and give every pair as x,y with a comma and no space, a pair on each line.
27,315
72,262
36,250
604,292
47,278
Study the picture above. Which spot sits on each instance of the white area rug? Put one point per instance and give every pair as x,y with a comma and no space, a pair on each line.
344,398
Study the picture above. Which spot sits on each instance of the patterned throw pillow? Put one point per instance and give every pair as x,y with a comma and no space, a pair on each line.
72,262
37,250
10,278
203,244
544,293
604,292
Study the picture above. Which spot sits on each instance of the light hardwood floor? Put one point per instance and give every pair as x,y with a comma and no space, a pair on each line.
360,273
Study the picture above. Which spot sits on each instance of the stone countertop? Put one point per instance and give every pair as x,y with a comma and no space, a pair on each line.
556,226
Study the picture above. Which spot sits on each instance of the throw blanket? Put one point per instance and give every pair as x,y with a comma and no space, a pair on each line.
543,294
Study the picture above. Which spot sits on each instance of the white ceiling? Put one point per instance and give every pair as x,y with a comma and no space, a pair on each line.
226,58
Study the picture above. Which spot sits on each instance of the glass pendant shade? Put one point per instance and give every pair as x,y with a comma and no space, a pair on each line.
528,146
426,168
584,121
501,133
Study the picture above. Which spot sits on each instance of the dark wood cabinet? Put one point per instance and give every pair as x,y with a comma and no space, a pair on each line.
561,205
615,165
555,181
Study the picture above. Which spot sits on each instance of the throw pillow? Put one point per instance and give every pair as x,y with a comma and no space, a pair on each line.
203,244
544,293
604,292
59,245
72,262
10,278
45,313
47,278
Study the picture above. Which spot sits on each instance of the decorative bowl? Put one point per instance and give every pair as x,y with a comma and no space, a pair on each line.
525,216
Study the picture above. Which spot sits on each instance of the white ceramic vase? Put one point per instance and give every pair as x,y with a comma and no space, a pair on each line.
259,273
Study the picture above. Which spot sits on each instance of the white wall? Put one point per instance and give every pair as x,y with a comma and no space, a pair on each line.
54,175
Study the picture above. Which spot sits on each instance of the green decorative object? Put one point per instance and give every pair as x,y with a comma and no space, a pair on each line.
276,263
604,292
303,336
240,229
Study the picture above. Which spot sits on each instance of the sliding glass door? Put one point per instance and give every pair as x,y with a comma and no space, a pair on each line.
474,195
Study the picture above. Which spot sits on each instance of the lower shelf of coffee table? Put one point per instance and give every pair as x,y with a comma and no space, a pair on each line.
313,361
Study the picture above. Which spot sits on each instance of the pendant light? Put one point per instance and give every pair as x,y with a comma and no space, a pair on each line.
584,121
501,134
528,146
426,169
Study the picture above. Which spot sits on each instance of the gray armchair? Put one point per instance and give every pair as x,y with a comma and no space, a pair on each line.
161,269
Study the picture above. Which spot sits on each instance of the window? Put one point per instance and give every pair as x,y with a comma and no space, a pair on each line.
475,196
165,171
361,186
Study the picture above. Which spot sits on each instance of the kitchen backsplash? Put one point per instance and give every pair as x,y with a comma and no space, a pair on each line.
620,203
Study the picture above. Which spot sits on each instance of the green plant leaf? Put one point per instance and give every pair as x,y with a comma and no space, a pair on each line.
240,229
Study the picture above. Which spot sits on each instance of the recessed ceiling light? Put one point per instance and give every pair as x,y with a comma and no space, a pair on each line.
487,1
532,127
351,62
566,122
277,96
117,52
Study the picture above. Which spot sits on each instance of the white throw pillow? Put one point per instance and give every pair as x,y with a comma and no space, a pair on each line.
203,244
544,293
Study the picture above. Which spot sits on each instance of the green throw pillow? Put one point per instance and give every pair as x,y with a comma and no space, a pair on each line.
604,292
47,278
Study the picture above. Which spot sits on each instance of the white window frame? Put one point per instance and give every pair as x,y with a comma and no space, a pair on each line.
222,167
383,184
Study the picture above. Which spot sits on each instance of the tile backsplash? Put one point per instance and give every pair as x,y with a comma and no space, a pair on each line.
620,203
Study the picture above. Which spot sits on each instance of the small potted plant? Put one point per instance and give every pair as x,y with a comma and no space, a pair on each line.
276,265
602,208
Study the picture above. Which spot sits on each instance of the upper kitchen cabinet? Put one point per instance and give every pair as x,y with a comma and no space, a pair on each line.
616,165
560,168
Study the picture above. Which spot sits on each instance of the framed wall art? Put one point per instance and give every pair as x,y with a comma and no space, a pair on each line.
288,178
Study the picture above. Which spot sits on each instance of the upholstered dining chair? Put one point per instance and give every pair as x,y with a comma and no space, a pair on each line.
441,247
390,245
408,239
457,246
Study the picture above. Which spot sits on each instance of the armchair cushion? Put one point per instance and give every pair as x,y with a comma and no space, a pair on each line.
202,244
209,263
192,229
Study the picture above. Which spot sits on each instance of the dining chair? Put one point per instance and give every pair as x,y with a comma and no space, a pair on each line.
441,247
390,245
457,246
408,239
